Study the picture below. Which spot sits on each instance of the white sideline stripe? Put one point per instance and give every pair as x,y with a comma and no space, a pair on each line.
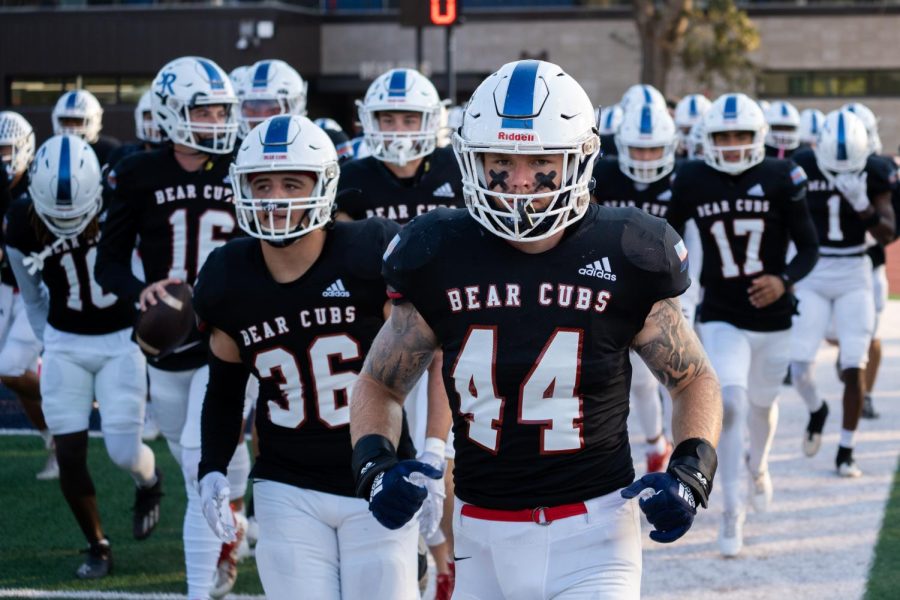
91,595
34,432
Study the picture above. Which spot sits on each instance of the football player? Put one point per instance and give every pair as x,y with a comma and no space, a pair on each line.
79,113
338,137
608,120
640,175
811,120
406,174
850,196
19,348
268,88
783,135
688,112
747,209
535,356
146,132
175,204
317,299
876,252
52,239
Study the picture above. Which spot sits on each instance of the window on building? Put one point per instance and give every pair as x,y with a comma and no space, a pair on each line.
45,91
822,84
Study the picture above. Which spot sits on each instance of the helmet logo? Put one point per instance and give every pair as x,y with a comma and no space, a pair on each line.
165,84
515,137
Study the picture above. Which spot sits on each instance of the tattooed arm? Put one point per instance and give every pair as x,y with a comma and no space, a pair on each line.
401,352
672,351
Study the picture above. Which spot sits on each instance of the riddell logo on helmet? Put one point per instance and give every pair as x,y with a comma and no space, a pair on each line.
515,137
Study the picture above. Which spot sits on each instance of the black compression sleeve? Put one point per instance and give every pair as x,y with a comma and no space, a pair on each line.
803,233
220,422
113,269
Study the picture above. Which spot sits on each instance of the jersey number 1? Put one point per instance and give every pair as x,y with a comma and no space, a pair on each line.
547,397
98,298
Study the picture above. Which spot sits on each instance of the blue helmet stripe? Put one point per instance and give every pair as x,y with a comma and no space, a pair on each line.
397,84
70,101
646,120
815,123
841,139
692,107
64,180
648,99
730,111
784,109
519,102
215,80
261,76
609,118
276,135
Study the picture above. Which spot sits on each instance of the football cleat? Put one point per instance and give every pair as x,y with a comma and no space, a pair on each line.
226,568
846,465
868,410
98,563
761,491
812,437
51,468
731,534
658,461
146,508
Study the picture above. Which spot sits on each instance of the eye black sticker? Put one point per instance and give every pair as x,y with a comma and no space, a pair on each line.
498,179
545,181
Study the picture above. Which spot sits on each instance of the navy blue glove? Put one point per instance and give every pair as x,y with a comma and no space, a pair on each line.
670,508
394,498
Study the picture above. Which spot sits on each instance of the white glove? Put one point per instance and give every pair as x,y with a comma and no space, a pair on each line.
214,496
853,188
433,507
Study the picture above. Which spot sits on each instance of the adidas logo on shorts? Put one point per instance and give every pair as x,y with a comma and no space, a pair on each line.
599,269
336,290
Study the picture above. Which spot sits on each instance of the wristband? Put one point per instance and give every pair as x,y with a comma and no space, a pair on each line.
372,454
694,463
436,446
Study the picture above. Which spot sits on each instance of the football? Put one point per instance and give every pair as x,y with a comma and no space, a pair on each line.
167,324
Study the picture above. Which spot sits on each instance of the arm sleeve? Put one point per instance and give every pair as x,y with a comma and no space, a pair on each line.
34,292
802,229
677,214
113,270
653,246
220,421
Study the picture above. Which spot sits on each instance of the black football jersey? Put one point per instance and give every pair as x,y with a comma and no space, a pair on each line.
608,145
745,223
536,346
104,148
175,218
368,189
840,228
77,303
8,195
305,341
875,250
124,150
615,188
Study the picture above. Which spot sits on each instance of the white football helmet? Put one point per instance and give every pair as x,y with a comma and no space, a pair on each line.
842,146
238,76
528,107
785,115
734,112
190,82
640,94
647,126
65,185
401,90
608,119
695,141
16,133
688,111
870,121
811,120
83,106
146,129
290,143
269,86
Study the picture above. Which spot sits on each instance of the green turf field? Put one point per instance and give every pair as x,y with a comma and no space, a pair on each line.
40,541
884,577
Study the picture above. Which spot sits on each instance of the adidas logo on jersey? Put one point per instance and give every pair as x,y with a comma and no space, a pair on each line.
445,191
336,290
599,269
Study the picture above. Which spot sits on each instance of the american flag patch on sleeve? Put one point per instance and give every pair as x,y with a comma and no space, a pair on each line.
798,175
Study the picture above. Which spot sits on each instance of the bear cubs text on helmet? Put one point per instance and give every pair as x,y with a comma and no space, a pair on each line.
145,127
528,107
734,112
811,120
269,86
16,133
286,143
786,118
647,126
82,106
187,83
65,185
842,145
403,90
